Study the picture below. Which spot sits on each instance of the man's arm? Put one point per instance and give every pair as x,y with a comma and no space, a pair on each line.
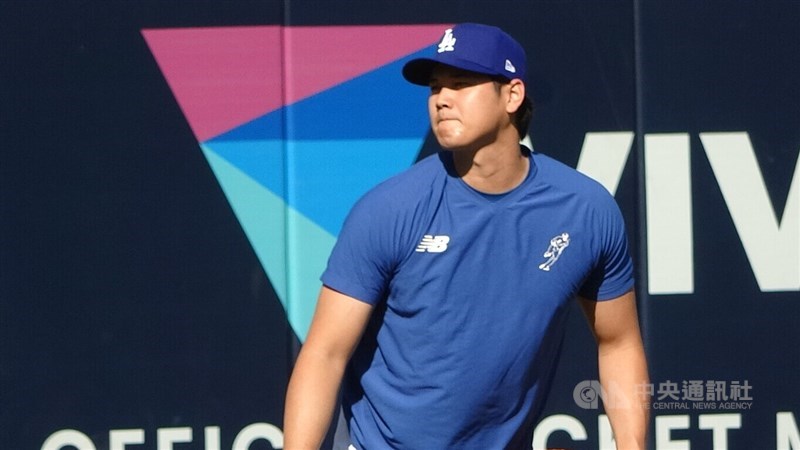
337,326
622,366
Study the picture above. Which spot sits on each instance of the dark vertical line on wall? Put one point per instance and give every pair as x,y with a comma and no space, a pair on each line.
641,225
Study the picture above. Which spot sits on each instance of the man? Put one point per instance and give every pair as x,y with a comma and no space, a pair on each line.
443,304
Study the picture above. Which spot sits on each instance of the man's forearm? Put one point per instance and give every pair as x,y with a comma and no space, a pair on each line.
310,401
623,375
312,394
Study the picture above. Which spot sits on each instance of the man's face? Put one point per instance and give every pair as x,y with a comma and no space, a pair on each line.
466,108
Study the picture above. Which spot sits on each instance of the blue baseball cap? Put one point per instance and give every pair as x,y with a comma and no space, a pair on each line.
475,47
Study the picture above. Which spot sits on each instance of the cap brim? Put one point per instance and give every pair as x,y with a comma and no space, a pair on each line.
418,71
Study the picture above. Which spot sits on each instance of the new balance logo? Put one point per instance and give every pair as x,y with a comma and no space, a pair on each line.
433,244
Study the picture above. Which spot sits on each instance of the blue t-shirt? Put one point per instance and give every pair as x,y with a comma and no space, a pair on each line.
470,295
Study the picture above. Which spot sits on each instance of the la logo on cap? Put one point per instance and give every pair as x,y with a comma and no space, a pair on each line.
448,41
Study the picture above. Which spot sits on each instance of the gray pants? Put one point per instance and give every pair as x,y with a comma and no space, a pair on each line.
341,437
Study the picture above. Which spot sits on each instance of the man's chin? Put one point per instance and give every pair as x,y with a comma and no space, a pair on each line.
450,145
453,149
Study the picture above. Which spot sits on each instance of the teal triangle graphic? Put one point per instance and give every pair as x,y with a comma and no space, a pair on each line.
261,213
292,249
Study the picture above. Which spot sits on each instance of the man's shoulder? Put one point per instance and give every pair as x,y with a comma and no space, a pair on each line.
411,184
563,177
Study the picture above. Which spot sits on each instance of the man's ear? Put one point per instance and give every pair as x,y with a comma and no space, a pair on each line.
516,95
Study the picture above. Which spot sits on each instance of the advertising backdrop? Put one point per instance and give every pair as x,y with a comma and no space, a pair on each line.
173,175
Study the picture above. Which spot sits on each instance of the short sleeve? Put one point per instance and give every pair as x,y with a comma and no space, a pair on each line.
613,273
360,264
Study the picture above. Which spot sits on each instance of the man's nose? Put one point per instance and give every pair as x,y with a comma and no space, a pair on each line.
444,98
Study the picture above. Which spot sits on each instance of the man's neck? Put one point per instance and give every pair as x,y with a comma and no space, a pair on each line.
493,169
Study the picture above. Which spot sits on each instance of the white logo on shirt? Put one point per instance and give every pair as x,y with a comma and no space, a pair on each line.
448,41
433,244
557,246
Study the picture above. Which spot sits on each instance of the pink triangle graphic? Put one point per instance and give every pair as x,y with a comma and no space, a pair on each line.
224,77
